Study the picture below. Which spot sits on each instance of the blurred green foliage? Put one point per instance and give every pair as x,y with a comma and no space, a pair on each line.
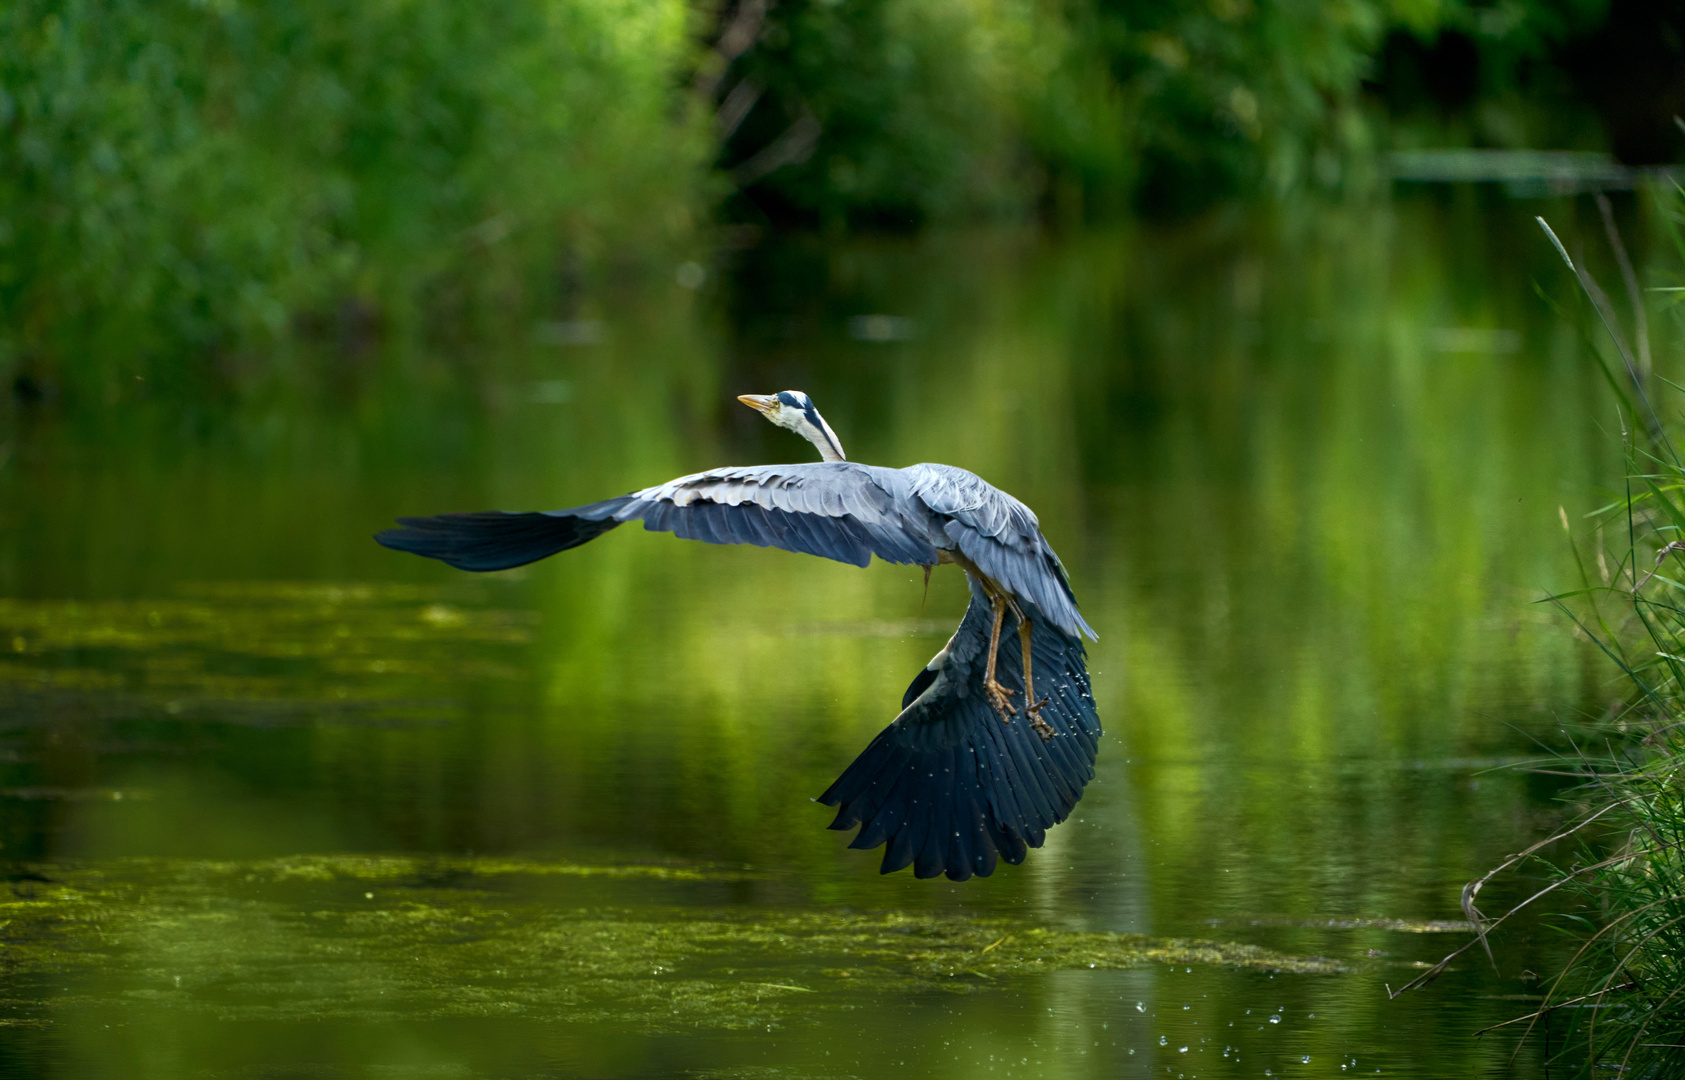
184,184
937,109
922,106
190,179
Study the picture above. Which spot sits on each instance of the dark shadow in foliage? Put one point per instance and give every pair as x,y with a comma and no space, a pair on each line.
1632,71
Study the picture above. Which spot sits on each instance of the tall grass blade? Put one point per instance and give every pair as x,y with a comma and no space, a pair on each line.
1600,302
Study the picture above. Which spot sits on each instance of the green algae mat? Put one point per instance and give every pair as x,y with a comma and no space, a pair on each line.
392,938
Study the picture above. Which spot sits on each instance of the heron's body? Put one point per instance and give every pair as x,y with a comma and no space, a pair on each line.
955,780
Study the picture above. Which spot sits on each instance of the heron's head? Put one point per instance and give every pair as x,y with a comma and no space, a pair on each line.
794,410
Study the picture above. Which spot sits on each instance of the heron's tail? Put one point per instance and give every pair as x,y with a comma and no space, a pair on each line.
495,540
948,787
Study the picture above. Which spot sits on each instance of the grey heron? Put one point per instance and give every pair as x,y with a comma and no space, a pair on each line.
959,777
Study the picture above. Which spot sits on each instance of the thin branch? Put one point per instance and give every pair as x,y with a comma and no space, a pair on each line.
736,39
1560,1005
1439,969
794,146
1609,928
1472,889
735,108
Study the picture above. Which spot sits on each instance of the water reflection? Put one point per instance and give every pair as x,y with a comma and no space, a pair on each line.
1305,525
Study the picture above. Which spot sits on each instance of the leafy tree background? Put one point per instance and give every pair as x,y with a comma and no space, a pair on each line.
188,188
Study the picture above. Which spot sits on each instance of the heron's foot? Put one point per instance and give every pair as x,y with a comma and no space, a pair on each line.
1041,727
1001,698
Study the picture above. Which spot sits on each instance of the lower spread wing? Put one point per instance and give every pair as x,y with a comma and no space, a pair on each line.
837,510
948,786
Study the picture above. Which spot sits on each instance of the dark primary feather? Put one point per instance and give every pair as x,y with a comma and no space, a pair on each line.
948,786
495,540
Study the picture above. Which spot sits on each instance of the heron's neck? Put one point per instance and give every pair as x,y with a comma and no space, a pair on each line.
824,440
826,453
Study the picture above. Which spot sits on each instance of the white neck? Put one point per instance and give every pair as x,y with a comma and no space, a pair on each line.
824,440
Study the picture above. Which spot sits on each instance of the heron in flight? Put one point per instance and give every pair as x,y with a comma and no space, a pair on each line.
965,773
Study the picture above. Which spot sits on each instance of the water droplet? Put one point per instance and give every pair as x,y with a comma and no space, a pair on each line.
1306,1060
1162,1041
1140,1006
1275,1019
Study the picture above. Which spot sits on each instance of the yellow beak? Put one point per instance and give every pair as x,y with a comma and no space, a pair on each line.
759,402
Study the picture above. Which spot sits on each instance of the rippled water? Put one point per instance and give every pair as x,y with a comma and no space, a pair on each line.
279,802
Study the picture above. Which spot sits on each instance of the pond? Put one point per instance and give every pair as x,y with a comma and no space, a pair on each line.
278,802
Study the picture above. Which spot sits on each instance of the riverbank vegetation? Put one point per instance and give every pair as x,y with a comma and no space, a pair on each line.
1628,976
187,187
1613,880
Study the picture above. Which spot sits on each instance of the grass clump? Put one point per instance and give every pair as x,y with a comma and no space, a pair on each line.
1620,893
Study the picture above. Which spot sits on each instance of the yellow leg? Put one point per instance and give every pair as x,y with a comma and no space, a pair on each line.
999,696
1032,707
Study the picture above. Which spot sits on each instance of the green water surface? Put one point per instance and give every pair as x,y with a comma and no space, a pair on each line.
278,802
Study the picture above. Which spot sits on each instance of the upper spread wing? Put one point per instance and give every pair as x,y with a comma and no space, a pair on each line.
950,787
837,510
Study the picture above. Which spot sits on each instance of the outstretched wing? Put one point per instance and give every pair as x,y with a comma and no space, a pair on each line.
949,786
838,510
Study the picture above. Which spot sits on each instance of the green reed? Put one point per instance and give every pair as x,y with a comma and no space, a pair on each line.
1615,877
1624,884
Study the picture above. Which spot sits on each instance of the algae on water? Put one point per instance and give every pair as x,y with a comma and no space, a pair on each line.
407,938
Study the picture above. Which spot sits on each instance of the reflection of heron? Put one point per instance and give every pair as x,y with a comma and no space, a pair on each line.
956,779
